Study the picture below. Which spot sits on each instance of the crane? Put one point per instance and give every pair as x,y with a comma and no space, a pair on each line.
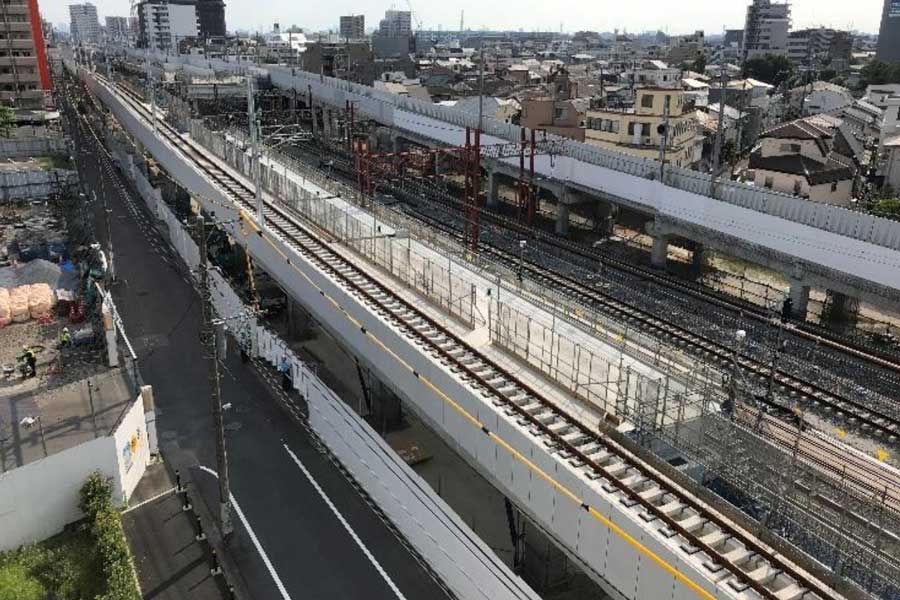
414,15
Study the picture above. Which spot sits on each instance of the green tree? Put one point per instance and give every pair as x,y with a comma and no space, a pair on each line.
877,72
771,68
888,208
7,116
827,74
699,64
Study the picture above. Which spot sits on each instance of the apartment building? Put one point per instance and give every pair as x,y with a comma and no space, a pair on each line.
211,19
820,46
83,24
888,48
353,27
165,23
766,29
24,73
638,130
117,29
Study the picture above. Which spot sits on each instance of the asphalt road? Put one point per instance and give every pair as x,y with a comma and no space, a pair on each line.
310,550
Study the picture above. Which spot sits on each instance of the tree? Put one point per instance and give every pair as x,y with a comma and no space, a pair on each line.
7,116
699,65
878,72
771,68
827,74
888,208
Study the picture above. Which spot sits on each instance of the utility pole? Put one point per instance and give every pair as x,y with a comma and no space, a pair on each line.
152,94
717,149
481,87
664,138
210,350
254,144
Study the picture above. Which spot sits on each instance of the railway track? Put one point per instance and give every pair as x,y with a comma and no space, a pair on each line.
872,420
750,564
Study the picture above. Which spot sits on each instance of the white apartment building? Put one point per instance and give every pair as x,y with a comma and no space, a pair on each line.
83,23
766,29
164,23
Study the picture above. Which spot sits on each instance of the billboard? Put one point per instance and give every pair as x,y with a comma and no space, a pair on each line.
893,10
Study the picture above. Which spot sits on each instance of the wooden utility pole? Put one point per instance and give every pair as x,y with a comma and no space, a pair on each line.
210,353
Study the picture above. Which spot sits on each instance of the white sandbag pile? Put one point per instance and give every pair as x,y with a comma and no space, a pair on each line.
18,303
40,300
25,302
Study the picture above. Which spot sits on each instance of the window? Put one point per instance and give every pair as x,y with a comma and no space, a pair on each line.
790,147
770,181
559,113
647,101
834,186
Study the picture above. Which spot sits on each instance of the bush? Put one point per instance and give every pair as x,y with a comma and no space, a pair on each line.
105,525
16,583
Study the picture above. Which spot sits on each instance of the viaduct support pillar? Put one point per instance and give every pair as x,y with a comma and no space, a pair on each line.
562,216
326,122
660,251
604,218
842,309
697,257
799,296
493,189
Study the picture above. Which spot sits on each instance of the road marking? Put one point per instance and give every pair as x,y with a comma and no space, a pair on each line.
359,542
254,539
148,500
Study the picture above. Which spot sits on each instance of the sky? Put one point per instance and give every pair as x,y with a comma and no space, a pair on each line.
682,16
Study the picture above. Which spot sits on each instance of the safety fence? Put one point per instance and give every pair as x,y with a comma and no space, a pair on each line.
367,233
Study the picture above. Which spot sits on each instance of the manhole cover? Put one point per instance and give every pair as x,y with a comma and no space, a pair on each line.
233,426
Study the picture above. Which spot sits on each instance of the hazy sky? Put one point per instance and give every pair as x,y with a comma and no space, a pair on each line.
603,15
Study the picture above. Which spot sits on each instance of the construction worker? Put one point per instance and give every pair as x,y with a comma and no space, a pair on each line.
285,369
30,359
65,338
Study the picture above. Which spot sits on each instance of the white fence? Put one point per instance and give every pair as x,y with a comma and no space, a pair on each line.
40,498
26,184
467,565
19,147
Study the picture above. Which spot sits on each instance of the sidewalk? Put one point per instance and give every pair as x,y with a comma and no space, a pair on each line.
171,564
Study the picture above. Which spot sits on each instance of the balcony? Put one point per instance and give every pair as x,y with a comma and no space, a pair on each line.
19,61
26,26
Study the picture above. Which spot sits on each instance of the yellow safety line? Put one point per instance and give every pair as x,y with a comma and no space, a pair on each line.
637,545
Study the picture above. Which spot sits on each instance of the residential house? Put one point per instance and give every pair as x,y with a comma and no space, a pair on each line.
819,97
800,158
639,129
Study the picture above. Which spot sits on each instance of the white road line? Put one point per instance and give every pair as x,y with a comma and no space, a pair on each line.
372,559
254,539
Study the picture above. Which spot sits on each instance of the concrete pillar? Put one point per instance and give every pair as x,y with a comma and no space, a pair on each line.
799,296
842,308
659,254
493,189
314,114
326,122
562,217
150,418
396,144
604,218
109,327
697,257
